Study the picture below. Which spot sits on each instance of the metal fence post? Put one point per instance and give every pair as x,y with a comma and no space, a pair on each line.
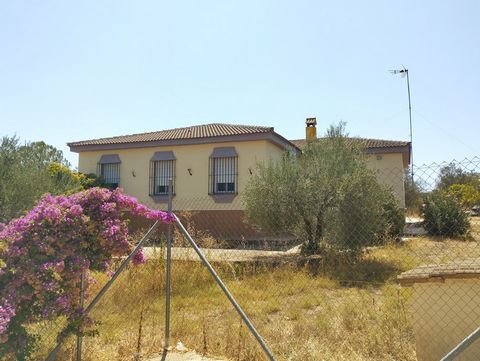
168,269
224,288
82,300
462,346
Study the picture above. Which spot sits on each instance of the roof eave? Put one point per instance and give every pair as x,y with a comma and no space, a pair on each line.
269,136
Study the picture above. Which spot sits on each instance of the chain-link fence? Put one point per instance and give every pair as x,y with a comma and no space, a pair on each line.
354,278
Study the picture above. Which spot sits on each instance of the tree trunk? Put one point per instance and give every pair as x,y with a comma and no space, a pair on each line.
311,246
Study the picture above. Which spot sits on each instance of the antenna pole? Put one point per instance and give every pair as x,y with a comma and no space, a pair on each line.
411,131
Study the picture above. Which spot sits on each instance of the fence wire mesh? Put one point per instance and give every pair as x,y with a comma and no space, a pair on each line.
366,293
129,320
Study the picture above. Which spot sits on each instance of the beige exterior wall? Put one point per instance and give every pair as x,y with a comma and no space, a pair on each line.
191,191
444,313
390,172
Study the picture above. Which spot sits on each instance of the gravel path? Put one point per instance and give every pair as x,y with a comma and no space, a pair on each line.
184,356
222,255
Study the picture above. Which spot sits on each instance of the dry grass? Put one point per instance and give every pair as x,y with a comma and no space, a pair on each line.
306,311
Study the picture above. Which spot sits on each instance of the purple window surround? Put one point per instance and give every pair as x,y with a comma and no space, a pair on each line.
109,158
166,155
224,152
223,174
108,168
162,169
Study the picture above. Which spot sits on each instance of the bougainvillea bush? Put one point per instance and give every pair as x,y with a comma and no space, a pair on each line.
44,254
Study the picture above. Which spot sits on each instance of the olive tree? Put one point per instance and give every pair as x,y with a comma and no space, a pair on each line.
327,197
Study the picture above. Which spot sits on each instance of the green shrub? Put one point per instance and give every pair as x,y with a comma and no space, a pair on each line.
444,216
393,216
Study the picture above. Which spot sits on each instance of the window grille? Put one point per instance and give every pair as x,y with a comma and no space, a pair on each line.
161,171
223,175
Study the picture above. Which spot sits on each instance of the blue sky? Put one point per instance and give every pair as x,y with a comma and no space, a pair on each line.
80,70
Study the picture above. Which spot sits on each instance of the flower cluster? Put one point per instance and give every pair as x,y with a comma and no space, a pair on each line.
44,254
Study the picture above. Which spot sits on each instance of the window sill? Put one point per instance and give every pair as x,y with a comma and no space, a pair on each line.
160,198
223,197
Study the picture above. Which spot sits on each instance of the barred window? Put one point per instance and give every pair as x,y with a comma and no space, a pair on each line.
162,169
223,171
109,169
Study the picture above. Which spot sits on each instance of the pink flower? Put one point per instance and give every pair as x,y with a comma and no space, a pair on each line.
50,247
76,210
7,311
138,258
63,301
113,230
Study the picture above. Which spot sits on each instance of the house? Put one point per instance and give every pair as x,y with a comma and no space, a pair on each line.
210,164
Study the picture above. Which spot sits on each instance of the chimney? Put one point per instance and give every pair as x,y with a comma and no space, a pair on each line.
311,129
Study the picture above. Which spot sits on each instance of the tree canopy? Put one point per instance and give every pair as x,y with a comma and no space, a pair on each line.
453,174
27,171
463,186
327,197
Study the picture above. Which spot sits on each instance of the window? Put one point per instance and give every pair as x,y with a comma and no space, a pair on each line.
223,171
224,175
162,169
110,172
109,169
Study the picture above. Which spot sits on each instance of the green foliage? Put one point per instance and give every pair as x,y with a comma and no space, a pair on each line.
366,214
451,174
92,180
40,155
466,194
393,216
65,178
413,194
30,170
327,197
444,216
461,185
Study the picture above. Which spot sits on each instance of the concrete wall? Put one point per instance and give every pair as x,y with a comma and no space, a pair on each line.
191,191
390,172
443,315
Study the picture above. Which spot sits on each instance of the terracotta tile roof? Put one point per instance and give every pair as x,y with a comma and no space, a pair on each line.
469,268
216,130
364,143
193,132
